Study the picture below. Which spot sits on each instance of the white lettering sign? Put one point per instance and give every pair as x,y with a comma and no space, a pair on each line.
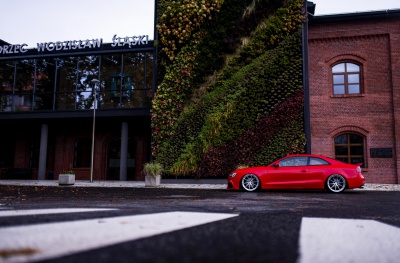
13,49
69,45
77,44
130,41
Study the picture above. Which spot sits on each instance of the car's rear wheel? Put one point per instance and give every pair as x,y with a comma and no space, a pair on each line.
336,183
250,182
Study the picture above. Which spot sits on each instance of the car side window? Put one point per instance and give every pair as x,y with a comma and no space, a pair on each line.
317,161
293,161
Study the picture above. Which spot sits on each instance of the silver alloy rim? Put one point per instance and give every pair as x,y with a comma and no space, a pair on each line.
250,182
336,183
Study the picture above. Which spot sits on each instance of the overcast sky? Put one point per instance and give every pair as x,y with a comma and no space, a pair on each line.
325,7
34,21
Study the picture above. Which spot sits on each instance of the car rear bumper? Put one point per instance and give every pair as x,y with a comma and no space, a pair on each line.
357,182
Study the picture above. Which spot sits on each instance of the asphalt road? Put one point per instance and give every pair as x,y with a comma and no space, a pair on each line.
264,227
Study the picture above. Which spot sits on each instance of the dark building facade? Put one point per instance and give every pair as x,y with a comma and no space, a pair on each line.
47,108
354,69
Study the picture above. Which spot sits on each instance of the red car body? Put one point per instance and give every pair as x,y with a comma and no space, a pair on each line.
299,171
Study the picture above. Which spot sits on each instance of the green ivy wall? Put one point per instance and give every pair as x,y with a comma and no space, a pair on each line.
230,85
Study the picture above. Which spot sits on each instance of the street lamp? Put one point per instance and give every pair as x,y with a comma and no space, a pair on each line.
95,84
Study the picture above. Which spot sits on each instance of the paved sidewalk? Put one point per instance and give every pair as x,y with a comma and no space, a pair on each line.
380,187
169,183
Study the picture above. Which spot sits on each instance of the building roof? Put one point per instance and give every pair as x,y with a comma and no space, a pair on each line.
2,42
358,16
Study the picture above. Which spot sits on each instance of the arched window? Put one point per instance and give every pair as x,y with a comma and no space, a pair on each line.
346,79
349,148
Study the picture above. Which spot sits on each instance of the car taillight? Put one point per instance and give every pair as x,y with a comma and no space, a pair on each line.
358,169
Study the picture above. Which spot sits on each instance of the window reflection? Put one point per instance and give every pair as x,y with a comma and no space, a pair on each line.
6,85
338,68
341,139
88,69
137,66
45,84
110,83
317,161
346,79
352,67
24,84
293,161
64,83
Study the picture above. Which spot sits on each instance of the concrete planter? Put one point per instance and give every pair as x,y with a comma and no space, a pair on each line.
152,181
66,179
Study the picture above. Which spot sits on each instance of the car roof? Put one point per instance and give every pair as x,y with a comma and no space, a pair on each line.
306,154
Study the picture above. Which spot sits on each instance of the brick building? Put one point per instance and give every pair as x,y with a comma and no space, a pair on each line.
354,76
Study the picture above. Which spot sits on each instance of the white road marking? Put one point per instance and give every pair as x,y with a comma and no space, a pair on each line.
348,240
45,241
4,213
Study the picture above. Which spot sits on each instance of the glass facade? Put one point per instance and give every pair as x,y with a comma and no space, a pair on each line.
64,83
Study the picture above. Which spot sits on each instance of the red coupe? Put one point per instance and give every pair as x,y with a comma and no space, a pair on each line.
299,171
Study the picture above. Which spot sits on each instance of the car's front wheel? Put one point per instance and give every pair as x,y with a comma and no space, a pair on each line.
250,182
336,183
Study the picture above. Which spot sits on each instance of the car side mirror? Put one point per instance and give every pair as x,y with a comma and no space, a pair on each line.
275,165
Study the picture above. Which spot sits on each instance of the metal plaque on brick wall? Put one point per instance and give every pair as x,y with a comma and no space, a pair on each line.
381,152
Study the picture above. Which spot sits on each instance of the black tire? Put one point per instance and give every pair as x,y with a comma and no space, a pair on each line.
250,182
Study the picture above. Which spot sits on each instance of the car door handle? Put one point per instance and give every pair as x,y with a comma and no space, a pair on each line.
303,171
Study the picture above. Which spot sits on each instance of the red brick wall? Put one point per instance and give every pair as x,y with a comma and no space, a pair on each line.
375,114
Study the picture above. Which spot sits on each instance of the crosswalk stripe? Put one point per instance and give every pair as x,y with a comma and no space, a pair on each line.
347,240
5,213
45,241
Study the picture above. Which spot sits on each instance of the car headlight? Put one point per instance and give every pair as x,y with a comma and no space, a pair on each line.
232,175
